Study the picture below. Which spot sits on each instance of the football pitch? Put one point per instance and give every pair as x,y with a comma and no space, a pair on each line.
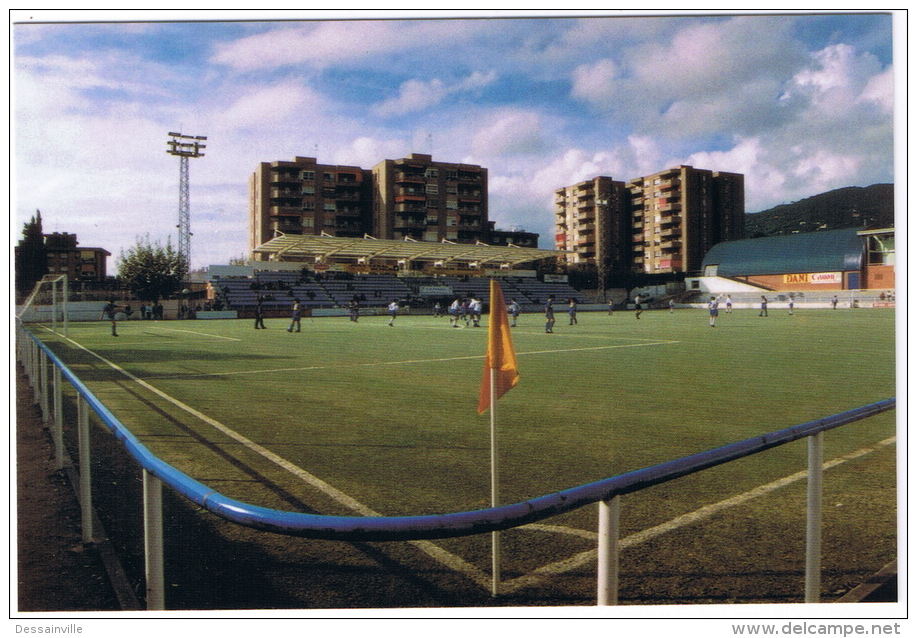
366,419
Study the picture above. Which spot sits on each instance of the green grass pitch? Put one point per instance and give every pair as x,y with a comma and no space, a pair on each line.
387,416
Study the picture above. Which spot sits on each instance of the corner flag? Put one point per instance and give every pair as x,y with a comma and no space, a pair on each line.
501,358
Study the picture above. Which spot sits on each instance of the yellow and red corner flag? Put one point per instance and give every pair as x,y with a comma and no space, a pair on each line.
500,354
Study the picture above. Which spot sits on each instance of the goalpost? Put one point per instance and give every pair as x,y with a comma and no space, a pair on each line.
47,303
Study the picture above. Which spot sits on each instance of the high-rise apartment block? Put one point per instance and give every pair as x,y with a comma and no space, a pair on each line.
303,197
417,198
592,223
661,223
412,198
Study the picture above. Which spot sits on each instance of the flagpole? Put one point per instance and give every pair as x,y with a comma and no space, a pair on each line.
494,482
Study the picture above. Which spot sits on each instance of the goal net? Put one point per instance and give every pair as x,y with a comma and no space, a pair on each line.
47,304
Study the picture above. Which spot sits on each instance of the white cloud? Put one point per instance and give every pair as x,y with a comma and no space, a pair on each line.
268,105
413,95
880,89
418,95
595,82
510,132
323,44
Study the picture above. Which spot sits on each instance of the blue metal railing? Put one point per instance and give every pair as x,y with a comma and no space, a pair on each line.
399,528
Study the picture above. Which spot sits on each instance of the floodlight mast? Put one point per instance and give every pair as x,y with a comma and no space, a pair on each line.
185,150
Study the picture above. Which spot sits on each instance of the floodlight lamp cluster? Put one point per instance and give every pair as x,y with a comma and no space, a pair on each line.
186,149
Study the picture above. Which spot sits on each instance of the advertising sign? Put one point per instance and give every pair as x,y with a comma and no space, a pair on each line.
834,278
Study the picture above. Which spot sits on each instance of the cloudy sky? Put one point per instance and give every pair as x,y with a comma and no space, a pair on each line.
800,104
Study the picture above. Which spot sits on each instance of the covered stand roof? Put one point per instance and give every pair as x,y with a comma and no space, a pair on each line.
321,248
822,251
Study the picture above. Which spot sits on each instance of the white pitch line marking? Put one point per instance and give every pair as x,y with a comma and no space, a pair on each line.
195,332
435,552
408,361
590,556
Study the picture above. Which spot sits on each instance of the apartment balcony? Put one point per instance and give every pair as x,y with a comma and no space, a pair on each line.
410,197
284,178
287,227
410,178
286,202
411,207
349,211
671,245
284,192
470,176
669,184
402,224
276,211
637,237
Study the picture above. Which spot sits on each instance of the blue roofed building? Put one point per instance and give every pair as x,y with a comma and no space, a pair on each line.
840,259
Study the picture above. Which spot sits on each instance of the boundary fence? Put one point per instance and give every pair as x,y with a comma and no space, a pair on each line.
46,374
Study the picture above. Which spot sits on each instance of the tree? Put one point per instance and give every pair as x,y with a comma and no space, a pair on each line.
152,271
30,256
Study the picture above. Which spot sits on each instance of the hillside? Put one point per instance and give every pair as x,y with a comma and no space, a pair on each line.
870,207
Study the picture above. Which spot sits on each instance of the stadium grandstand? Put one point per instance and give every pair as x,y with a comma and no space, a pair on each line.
327,249
330,272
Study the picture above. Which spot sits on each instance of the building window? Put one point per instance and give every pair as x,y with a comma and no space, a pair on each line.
432,189
308,175
431,172
330,206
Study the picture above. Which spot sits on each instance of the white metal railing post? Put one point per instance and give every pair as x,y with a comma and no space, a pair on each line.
43,384
54,306
813,519
57,428
85,472
30,362
36,370
608,550
152,542
66,294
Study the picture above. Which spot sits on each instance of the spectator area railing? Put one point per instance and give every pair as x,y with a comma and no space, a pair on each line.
40,363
